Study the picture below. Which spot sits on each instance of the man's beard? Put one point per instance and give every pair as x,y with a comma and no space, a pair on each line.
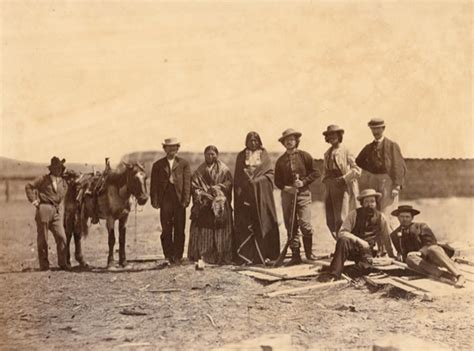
369,211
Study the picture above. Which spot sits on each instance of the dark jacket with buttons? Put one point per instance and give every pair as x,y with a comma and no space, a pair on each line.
160,175
412,239
301,163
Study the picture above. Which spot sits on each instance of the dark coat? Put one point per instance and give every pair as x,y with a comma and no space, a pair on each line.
42,189
394,162
160,174
419,235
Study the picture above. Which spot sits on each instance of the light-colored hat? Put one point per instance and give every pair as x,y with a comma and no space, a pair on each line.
405,208
333,129
376,122
171,142
368,193
287,133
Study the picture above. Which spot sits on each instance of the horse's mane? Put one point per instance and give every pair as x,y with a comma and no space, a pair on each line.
117,177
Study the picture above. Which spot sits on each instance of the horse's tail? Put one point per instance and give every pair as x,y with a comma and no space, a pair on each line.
83,217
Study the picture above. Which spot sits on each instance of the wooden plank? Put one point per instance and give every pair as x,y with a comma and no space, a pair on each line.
269,272
259,276
307,287
327,262
464,261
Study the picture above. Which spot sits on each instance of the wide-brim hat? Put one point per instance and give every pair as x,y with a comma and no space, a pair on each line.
56,162
171,142
405,208
289,132
376,122
333,129
368,193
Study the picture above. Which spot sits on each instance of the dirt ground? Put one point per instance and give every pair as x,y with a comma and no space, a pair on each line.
210,308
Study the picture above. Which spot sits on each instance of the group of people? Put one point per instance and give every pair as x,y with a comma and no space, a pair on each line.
247,232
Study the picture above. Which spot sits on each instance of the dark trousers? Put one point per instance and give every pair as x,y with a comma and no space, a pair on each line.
347,249
334,203
173,220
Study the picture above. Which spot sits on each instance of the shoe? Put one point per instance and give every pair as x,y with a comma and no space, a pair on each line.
295,258
66,268
308,248
460,281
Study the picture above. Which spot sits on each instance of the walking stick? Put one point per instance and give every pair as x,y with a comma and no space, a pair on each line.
280,258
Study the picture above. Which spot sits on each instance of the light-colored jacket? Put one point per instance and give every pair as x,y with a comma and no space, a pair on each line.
350,172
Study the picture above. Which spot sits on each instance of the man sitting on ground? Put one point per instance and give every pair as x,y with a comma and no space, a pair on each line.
361,230
417,246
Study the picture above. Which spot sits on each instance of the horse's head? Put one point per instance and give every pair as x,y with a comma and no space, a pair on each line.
136,182
70,177
218,205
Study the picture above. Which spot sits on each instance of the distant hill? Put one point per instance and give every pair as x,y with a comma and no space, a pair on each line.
10,168
426,178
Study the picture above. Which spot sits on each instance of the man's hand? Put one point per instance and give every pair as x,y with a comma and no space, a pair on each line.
400,258
363,244
340,181
298,183
36,203
395,192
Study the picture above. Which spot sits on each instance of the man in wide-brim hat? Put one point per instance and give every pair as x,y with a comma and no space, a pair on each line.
340,177
170,191
384,166
416,245
46,193
295,170
364,234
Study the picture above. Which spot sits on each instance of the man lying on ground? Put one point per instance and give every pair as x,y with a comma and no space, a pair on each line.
417,246
361,230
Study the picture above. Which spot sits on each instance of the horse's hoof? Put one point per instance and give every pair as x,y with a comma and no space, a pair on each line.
123,263
110,263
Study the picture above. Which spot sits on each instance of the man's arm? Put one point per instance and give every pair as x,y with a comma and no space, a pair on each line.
153,186
383,238
361,159
398,166
31,190
313,172
427,236
354,170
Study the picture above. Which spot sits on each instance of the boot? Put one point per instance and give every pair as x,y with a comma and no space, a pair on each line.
308,248
295,258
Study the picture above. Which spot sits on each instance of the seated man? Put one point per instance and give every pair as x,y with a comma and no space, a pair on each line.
417,246
360,231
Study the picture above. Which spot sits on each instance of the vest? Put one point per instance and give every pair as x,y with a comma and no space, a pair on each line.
367,227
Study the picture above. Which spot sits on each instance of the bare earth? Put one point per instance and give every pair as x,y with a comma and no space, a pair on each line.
210,308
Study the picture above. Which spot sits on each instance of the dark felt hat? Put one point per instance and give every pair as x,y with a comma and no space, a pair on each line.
56,162
405,208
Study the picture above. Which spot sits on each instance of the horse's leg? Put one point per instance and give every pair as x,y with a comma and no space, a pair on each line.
110,230
122,232
76,229
68,230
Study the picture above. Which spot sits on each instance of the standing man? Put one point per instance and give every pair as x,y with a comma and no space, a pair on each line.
46,193
362,229
417,246
170,191
385,167
295,170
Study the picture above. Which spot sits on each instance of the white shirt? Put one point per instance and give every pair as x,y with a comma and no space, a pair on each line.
380,140
54,181
171,162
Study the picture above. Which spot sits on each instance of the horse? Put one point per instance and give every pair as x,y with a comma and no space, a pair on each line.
114,203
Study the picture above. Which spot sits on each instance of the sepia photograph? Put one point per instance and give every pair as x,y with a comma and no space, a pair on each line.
236,175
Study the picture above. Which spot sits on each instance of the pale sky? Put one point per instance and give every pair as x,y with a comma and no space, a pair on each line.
86,80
